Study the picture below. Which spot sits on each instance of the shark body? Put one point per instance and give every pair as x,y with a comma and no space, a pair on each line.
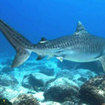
79,47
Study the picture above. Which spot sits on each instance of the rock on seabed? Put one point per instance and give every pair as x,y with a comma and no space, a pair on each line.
60,90
93,91
25,99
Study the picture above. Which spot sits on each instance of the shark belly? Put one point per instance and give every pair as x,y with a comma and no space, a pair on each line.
81,57
78,56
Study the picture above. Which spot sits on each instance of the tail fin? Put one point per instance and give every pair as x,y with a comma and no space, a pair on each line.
21,45
20,58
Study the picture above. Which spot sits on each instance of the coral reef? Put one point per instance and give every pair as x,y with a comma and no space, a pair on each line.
25,99
93,91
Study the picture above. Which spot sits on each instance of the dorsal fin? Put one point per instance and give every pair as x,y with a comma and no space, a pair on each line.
43,40
80,30
80,27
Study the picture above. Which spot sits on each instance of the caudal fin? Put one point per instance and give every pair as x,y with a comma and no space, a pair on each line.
21,44
20,58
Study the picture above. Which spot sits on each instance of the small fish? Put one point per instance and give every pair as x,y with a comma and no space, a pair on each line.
81,46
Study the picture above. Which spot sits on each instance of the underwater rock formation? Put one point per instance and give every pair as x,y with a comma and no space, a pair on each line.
25,99
78,76
36,81
8,80
93,91
60,90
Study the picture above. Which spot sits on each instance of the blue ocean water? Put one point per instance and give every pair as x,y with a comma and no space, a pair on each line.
50,19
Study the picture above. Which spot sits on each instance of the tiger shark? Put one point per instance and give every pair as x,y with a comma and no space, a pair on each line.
81,46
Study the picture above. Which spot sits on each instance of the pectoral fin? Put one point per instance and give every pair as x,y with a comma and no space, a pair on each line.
102,60
40,57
